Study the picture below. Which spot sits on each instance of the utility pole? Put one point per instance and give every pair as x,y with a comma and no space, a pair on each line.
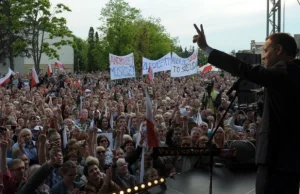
283,17
273,16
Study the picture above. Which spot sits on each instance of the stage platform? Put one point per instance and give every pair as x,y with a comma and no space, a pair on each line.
224,182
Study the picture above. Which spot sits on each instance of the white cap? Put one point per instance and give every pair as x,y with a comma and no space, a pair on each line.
37,128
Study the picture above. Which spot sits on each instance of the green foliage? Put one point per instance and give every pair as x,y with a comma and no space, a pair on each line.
233,53
80,54
117,30
45,30
90,56
202,59
244,51
150,41
124,31
13,41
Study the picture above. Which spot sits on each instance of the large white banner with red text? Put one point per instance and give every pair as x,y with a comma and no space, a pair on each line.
184,66
121,66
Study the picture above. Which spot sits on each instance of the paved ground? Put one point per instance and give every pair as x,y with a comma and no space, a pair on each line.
224,182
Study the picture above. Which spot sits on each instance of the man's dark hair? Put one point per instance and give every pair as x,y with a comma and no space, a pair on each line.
287,42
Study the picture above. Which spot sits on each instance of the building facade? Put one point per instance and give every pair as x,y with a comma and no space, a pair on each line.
23,64
257,47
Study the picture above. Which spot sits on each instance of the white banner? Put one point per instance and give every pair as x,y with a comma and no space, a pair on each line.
184,66
162,64
121,66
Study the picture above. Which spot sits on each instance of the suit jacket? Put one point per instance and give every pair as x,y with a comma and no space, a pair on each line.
32,184
278,138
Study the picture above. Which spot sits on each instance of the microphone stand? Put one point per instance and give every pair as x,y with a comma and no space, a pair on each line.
209,144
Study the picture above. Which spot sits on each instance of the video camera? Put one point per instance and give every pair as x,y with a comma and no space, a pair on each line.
209,85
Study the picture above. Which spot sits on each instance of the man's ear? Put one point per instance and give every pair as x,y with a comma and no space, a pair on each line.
279,49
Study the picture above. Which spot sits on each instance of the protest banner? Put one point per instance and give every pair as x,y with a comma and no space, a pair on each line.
162,64
184,66
121,66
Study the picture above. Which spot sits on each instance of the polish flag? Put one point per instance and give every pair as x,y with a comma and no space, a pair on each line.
151,133
59,65
150,76
49,70
34,78
6,78
206,68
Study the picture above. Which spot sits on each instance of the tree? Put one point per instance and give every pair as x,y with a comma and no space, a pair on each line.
47,31
124,31
13,40
244,51
150,40
233,53
117,18
91,43
80,54
186,53
202,59
96,37
97,54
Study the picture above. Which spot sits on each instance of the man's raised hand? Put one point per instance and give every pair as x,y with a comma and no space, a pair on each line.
200,37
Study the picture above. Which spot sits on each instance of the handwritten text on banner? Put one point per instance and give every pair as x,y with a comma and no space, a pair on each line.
162,64
184,66
121,66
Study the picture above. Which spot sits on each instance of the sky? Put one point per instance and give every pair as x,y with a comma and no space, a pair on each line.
228,24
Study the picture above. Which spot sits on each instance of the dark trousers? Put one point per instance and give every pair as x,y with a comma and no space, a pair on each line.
270,181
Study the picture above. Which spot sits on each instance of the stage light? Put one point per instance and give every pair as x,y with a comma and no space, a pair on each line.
142,186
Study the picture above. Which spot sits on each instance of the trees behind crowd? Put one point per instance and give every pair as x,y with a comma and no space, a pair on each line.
122,30
25,27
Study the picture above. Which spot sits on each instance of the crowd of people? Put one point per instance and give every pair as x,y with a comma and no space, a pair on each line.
82,133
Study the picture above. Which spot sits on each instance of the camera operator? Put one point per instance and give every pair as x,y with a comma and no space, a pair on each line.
211,98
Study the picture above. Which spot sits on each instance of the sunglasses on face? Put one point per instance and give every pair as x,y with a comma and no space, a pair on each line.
103,141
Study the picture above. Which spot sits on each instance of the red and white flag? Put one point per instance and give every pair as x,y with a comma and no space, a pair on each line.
59,65
206,68
49,70
77,83
151,133
34,78
6,78
150,76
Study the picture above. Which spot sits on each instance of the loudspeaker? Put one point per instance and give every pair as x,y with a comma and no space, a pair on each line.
245,154
246,95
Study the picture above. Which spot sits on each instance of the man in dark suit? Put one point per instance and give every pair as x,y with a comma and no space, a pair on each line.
278,139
